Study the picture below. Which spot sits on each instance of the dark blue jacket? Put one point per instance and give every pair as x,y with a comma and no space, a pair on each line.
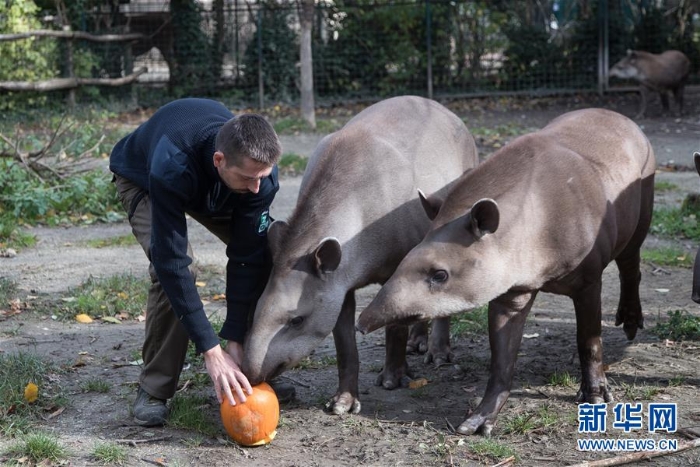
170,156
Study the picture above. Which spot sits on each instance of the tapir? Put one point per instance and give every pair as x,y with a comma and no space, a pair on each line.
356,217
663,72
547,212
696,266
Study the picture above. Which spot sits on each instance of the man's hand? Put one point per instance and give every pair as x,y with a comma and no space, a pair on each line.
224,370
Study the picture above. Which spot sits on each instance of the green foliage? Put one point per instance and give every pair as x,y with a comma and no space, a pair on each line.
278,45
532,59
30,59
7,290
109,453
39,448
109,296
470,322
668,257
191,72
186,412
680,326
292,164
84,198
562,378
674,223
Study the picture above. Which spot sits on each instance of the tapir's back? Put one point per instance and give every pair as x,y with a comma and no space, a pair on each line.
369,170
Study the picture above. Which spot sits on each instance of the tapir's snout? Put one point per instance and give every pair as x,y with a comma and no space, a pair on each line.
390,306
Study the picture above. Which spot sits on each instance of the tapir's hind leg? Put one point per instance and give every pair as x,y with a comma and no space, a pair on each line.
594,387
396,372
629,309
434,344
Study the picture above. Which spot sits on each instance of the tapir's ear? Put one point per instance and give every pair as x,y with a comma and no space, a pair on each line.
327,255
483,218
630,52
275,232
696,159
431,205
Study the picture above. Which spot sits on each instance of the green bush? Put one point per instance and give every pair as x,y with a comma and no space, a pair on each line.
30,59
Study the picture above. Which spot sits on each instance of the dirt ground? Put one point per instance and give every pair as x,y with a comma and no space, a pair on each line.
400,427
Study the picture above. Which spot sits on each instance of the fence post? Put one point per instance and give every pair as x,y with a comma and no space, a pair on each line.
261,89
603,46
428,39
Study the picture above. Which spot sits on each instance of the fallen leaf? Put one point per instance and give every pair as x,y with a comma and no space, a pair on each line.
122,295
111,319
68,299
55,413
200,284
31,392
417,383
530,336
83,318
662,290
219,296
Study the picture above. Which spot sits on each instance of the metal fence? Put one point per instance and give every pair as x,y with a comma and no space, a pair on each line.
370,49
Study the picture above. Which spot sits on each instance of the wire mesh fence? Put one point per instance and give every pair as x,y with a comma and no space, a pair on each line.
368,49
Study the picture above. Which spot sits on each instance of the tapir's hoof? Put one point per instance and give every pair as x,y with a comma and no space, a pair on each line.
390,382
438,358
597,397
417,347
631,329
474,424
343,403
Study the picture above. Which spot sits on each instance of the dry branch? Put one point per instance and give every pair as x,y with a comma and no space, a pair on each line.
73,35
69,83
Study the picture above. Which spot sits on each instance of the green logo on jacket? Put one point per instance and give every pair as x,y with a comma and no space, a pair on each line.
263,222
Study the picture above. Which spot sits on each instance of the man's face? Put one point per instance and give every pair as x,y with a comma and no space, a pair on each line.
241,178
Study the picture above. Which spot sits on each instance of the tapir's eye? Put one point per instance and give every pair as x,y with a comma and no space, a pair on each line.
296,321
439,276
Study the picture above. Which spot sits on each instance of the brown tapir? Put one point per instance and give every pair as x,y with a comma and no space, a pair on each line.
547,212
696,267
655,72
356,217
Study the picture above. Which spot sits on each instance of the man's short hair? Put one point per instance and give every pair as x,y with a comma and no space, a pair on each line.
249,135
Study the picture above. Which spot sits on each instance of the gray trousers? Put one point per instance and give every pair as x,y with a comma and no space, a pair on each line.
166,341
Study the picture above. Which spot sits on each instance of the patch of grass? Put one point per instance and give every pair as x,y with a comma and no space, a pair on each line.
680,326
562,378
295,125
520,424
676,381
292,164
96,385
660,186
190,412
669,256
109,453
12,235
489,447
470,322
17,370
675,222
122,296
636,393
39,448
122,240
7,290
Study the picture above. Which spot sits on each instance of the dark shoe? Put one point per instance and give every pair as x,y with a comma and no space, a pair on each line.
148,410
285,392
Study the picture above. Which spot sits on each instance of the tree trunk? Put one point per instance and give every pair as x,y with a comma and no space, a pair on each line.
307,69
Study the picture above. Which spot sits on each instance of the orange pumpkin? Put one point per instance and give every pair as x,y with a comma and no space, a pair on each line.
253,422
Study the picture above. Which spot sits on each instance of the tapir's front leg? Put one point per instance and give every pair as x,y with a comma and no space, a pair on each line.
594,388
696,278
507,315
346,399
